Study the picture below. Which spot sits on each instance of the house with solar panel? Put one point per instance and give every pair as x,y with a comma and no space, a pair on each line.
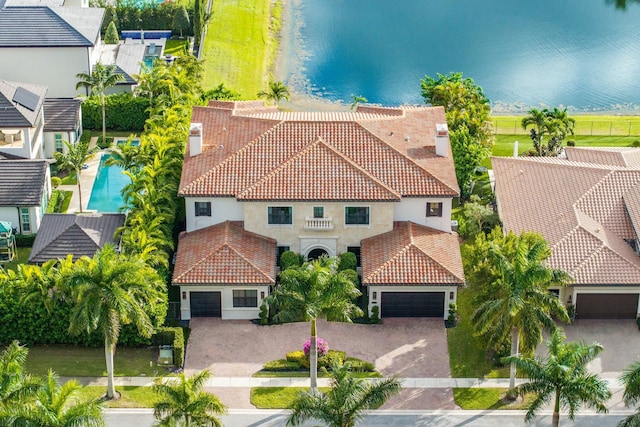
377,182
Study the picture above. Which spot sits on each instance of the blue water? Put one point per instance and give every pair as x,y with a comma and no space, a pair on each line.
105,194
582,54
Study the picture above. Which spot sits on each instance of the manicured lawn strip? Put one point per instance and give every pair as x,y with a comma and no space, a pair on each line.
467,356
130,396
486,398
276,397
175,47
585,125
299,374
237,45
76,361
22,255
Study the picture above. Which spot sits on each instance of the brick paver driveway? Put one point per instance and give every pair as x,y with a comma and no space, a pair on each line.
410,348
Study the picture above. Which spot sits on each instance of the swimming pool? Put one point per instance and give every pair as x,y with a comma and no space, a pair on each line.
105,194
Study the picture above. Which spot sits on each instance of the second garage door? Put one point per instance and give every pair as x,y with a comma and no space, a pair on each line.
205,304
412,304
606,306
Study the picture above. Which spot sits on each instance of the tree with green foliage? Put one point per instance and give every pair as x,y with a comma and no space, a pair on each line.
563,378
554,124
101,78
468,112
74,158
631,380
357,100
182,402
516,301
111,36
16,386
316,290
181,20
198,20
276,92
345,403
476,216
108,291
220,92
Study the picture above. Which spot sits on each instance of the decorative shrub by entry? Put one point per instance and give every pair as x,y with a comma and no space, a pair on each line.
321,344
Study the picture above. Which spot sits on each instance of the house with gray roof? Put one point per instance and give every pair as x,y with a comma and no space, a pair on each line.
48,45
21,119
62,122
79,235
25,188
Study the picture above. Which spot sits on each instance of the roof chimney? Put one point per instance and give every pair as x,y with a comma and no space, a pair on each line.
195,139
442,140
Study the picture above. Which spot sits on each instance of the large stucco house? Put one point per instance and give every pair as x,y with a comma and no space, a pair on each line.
378,182
587,207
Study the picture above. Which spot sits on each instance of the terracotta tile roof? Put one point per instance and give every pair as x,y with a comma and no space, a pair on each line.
412,254
244,146
224,254
583,210
612,156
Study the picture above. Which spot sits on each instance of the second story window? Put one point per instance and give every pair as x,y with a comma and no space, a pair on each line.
318,212
356,215
280,215
203,208
434,209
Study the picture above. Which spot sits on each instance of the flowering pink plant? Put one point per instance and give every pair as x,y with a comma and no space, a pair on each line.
321,344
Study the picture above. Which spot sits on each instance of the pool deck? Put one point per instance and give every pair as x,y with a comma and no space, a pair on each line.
87,177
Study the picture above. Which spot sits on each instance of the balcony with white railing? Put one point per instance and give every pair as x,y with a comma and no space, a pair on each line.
318,224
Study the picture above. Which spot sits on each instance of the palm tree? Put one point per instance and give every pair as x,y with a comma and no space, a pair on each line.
276,92
183,403
563,376
357,100
58,406
631,380
537,119
101,78
75,158
344,404
519,302
16,385
108,291
316,289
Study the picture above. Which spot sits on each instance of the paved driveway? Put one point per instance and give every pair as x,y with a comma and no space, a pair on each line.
410,348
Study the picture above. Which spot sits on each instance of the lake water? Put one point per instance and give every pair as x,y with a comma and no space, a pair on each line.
582,54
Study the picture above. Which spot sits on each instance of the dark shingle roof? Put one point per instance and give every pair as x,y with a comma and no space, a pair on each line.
62,234
22,182
32,26
61,114
13,114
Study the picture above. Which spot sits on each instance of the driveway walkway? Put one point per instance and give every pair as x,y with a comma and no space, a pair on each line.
410,348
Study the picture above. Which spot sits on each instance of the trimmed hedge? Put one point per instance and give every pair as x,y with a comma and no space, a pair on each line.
327,360
173,336
25,240
281,365
348,261
289,259
123,112
358,365
296,356
153,16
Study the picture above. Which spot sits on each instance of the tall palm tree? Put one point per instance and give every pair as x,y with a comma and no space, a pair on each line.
276,92
101,78
539,121
108,291
631,380
183,403
16,386
347,400
563,377
74,158
316,290
520,303
59,406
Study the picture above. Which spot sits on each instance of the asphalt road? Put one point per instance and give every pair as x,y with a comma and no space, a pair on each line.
265,418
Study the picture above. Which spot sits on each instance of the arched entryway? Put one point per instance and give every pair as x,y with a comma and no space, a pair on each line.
316,253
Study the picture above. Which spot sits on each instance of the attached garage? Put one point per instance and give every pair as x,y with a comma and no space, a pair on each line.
606,306
206,304
412,304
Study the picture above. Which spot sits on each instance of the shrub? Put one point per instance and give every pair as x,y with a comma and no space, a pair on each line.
123,112
327,360
296,356
571,143
25,240
635,143
181,21
375,314
453,311
289,259
56,181
173,336
358,365
348,261
281,365
54,201
111,36
264,314
322,346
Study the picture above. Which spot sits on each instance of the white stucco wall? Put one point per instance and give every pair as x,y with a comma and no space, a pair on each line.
226,297
415,209
222,209
54,67
380,289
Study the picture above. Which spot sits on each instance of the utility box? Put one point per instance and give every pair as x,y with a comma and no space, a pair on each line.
165,356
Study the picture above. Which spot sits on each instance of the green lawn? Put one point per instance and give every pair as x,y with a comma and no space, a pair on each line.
321,374
237,46
176,47
585,125
276,397
22,255
75,361
486,398
130,396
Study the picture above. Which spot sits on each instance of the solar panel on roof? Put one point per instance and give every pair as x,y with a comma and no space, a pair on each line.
26,98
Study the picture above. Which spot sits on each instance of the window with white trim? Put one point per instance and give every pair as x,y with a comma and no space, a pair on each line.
25,220
58,142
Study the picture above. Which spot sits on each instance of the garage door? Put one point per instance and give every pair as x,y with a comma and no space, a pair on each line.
606,306
412,304
205,304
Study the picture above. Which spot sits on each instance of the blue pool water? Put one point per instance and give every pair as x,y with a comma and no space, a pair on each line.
105,194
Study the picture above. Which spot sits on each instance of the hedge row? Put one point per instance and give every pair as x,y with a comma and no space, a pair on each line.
153,16
173,336
124,112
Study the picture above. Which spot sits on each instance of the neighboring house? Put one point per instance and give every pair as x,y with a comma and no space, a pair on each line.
378,182
62,122
587,207
79,235
21,119
25,187
48,45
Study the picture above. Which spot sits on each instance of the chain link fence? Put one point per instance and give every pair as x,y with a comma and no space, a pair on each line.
582,127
